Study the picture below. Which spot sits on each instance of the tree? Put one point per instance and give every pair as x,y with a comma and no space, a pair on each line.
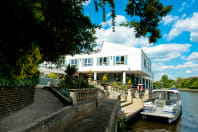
185,83
157,84
179,83
60,27
164,81
146,13
56,28
171,83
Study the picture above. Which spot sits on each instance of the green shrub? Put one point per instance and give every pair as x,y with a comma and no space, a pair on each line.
104,78
113,84
129,82
6,83
122,127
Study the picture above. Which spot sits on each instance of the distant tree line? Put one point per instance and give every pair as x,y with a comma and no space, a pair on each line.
179,82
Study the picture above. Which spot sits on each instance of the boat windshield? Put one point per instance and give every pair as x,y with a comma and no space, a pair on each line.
170,98
158,95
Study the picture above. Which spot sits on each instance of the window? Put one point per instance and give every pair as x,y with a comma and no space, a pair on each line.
145,65
119,59
87,62
103,61
74,62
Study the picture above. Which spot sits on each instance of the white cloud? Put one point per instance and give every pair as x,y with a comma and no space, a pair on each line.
161,67
193,57
183,5
86,3
119,19
187,65
181,25
194,36
188,71
122,35
169,19
166,52
158,75
109,14
183,16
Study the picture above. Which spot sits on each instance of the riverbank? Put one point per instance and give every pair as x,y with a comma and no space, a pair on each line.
188,89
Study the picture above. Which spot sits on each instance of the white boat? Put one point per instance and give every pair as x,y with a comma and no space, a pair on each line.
164,103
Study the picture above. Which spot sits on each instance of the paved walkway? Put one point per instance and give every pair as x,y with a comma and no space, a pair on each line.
134,108
44,104
100,120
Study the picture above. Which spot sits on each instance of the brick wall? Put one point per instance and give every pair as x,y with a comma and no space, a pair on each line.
14,99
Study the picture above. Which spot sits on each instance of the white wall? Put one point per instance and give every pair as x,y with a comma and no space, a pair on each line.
135,59
109,49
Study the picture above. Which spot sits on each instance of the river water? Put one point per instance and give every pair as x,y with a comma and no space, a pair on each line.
188,121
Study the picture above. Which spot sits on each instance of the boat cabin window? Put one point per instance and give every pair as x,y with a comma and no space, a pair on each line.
159,95
173,96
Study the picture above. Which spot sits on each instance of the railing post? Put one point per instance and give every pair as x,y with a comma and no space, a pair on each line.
129,96
74,97
90,81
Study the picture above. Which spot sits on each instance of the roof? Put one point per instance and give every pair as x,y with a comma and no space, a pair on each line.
118,48
192,77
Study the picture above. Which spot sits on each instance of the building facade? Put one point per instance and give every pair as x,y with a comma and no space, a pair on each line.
120,63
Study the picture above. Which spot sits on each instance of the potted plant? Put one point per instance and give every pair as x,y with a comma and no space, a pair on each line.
90,73
104,80
129,83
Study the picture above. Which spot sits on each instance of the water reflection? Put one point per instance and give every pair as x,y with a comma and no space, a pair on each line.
188,121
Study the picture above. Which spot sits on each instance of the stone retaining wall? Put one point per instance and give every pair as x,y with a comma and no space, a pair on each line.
61,120
14,99
103,119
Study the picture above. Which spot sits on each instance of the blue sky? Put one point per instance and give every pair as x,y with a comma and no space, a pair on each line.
175,54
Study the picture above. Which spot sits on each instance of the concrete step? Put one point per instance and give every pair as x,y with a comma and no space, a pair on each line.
125,104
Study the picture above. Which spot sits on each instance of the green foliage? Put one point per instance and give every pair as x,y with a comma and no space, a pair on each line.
157,84
122,127
104,78
149,12
171,83
52,75
57,27
90,72
70,70
70,83
6,83
129,82
113,83
194,84
84,83
164,81
119,84
178,83
146,13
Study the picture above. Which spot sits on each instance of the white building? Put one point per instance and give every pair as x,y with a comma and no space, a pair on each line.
118,62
